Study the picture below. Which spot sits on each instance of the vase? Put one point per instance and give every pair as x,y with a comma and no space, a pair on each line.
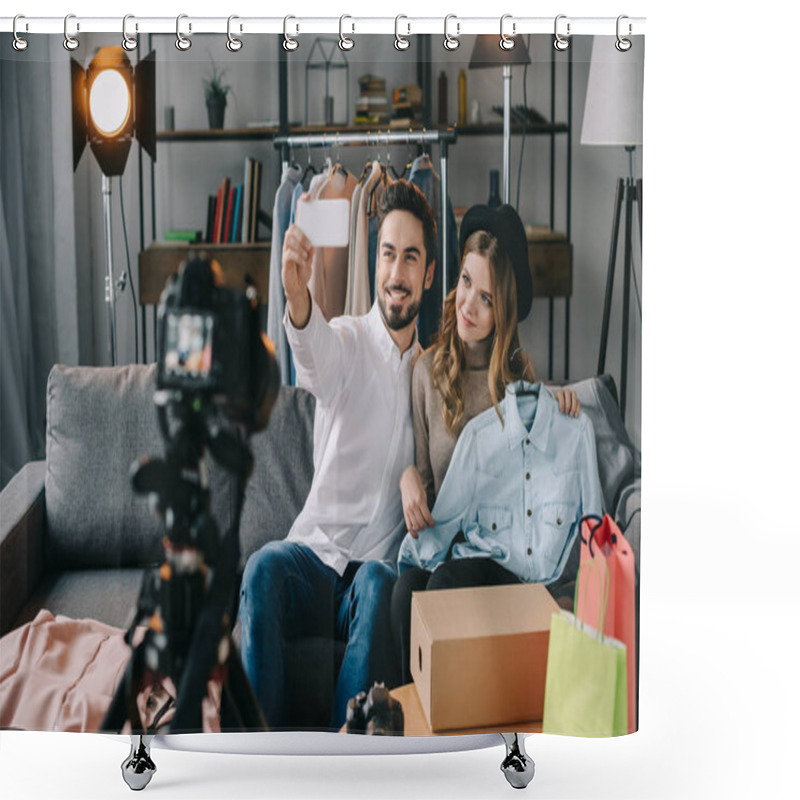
216,111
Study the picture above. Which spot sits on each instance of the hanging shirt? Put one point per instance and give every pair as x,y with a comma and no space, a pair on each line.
328,284
515,491
360,295
281,218
363,436
425,177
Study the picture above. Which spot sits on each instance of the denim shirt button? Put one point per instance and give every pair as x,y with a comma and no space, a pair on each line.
530,552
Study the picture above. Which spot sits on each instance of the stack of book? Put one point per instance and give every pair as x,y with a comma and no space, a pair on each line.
371,105
406,107
233,211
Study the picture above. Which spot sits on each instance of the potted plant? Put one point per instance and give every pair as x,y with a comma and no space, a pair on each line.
216,96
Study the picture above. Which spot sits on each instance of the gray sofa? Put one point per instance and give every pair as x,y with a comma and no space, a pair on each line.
75,539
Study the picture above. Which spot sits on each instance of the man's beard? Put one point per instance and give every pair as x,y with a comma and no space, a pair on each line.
397,320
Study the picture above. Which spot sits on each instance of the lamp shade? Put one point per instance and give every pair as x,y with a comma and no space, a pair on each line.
488,53
613,111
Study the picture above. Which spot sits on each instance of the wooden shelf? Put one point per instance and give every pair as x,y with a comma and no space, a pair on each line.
496,129
163,259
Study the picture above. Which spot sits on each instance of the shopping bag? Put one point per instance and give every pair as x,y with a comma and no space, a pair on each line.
586,684
603,544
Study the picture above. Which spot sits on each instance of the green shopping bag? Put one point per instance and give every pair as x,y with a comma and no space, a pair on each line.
586,691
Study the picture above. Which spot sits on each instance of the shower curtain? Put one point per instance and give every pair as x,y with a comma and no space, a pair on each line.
108,608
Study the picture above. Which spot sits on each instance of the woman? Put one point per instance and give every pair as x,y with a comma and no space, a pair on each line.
477,354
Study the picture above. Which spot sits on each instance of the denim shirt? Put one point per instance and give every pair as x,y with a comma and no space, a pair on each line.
515,492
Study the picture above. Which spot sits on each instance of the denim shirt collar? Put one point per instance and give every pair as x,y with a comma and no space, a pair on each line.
291,173
386,345
515,430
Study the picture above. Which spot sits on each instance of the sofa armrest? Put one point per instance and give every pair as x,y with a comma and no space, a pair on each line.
22,532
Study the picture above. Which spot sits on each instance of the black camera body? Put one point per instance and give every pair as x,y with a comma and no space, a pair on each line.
210,342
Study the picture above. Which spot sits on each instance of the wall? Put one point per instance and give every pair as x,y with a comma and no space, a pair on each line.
186,174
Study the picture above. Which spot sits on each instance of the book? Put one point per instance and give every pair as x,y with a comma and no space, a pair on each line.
222,200
248,179
212,207
256,200
217,215
192,237
226,234
237,214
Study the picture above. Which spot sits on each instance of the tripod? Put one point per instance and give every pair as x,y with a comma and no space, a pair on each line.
631,191
186,602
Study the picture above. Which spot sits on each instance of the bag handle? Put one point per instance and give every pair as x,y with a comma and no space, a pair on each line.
585,518
605,588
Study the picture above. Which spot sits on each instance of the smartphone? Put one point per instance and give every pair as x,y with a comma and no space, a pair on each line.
325,222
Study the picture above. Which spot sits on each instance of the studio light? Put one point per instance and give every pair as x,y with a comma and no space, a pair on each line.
112,103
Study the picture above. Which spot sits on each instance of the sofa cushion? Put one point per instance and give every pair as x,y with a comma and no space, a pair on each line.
618,459
284,467
100,420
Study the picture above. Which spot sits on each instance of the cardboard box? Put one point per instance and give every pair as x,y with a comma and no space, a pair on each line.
479,656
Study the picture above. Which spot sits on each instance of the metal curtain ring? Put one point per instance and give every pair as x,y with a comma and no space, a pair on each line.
451,42
128,42
70,42
400,42
19,44
560,42
181,42
233,44
623,45
506,42
289,43
345,43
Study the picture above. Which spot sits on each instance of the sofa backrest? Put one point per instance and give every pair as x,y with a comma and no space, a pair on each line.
100,420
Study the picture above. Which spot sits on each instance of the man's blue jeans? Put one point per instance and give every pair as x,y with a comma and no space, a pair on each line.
288,593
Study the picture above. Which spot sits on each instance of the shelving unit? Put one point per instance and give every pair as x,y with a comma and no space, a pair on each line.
550,254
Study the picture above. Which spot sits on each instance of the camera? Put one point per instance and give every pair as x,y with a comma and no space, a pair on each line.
210,342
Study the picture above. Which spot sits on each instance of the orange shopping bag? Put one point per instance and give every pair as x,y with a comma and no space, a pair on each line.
603,544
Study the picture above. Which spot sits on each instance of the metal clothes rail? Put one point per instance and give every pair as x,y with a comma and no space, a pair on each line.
441,138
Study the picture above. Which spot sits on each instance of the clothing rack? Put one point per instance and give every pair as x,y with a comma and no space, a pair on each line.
441,138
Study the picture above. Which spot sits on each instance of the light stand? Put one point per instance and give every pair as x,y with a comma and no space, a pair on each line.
110,294
487,53
629,190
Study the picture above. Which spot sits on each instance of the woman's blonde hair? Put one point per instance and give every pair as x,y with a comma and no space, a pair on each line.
508,362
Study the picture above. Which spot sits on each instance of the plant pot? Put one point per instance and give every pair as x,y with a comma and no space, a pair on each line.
216,111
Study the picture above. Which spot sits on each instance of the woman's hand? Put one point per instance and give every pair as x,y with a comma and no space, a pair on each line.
415,502
568,402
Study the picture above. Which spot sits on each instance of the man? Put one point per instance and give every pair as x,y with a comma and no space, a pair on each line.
334,572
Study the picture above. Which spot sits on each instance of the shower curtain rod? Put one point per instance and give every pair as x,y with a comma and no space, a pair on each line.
346,25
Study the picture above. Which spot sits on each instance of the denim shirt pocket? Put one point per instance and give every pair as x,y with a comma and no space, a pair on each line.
492,534
557,519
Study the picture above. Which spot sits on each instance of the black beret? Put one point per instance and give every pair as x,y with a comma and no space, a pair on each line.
506,226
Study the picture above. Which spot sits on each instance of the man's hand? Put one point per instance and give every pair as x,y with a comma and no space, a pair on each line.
415,502
296,258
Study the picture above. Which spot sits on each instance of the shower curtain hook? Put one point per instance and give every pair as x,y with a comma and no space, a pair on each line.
19,44
233,44
623,45
290,44
560,42
506,42
181,42
400,42
128,42
70,42
345,42
451,42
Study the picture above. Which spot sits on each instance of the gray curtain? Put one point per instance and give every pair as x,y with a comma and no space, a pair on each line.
38,288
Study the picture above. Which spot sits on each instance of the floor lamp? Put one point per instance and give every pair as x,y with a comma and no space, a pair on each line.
112,103
613,117
490,52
